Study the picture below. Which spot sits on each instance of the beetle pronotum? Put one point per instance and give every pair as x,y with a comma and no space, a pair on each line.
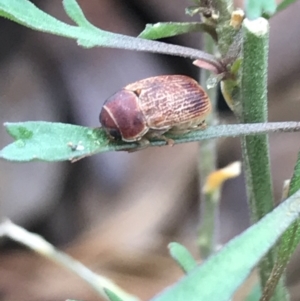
153,106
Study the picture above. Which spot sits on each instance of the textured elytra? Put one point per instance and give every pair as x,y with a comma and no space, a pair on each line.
150,107
171,101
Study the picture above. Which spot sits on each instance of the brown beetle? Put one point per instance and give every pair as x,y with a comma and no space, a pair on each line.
153,106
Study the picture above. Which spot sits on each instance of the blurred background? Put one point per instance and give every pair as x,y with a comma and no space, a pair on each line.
116,212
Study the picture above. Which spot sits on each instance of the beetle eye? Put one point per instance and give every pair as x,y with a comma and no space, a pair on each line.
114,134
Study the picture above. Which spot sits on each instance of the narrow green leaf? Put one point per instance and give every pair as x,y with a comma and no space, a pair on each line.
48,141
281,6
111,295
33,18
220,276
255,9
26,13
289,241
284,4
182,256
74,11
295,181
51,141
170,29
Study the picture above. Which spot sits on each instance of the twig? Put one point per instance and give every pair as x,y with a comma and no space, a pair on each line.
41,246
209,203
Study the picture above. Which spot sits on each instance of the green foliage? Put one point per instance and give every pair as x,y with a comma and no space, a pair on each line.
284,4
291,239
36,19
255,9
49,141
288,242
170,29
85,33
219,276
182,256
52,141
74,11
265,8
111,295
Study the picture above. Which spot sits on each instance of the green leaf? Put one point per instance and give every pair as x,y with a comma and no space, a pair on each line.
295,181
111,295
182,256
220,276
170,29
281,6
51,141
284,4
37,19
289,241
33,18
74,11
87,35
48,141
255,9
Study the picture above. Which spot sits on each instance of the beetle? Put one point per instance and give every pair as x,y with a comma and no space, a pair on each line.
153,106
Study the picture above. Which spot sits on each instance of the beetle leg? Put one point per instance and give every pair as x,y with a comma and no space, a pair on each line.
158,134
181,131
202,125
142,144
169,141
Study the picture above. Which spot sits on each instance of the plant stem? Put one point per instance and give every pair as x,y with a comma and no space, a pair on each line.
138,44
220,131
207,164
96,140
39,245
207,236
250,108
254,109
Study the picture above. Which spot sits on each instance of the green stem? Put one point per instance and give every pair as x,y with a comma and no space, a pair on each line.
207,164
209,221
254,109
250,108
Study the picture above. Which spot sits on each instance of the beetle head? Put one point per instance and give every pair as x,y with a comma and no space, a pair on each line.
122,118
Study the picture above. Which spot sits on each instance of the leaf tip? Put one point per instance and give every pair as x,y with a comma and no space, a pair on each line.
111,295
